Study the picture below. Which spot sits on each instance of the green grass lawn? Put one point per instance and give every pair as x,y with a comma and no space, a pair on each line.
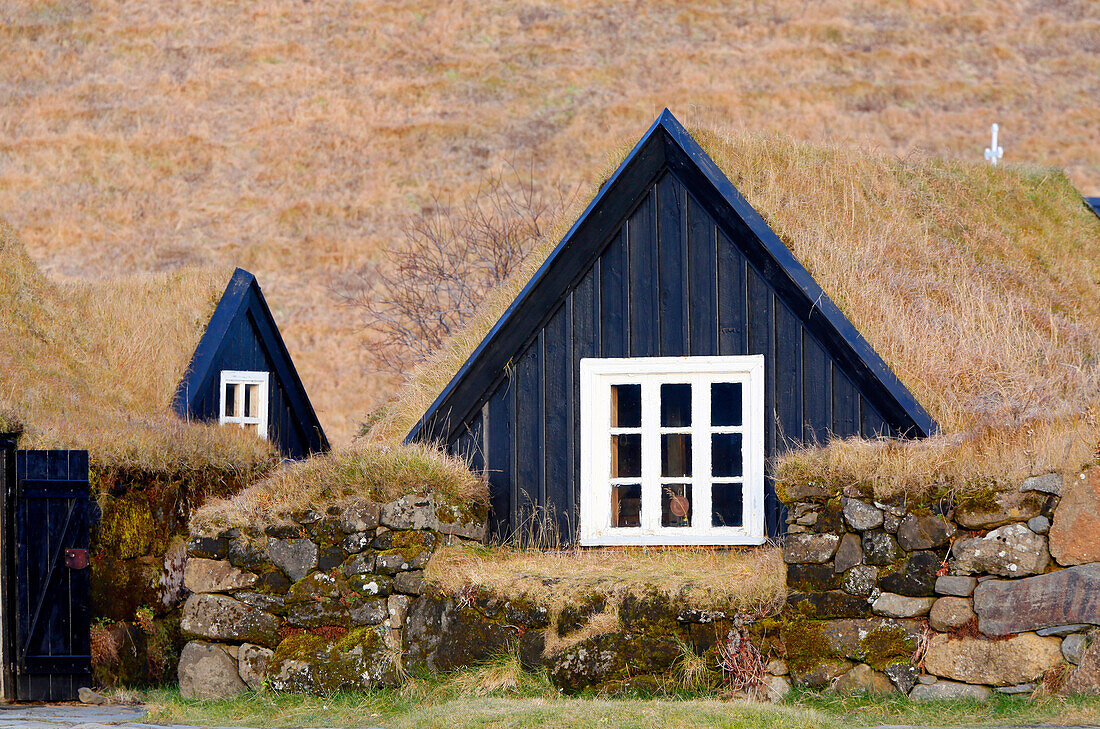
443,704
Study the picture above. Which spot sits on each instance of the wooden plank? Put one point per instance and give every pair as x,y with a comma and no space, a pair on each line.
587,332
761,340
703,280
872,424
528,495
732,298
558,429
500,457
845,405
672,270
788,378
614,299
817,398
643,310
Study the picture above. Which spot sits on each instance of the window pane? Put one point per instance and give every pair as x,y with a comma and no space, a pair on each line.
725,403
675,454
626,505
726,500
626,406
252,400
725,454
676,505
675,406
231,400
626,455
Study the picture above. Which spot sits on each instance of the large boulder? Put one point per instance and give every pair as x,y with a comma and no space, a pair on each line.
877,641
916,577
863,679
1085,679
222,618
215,575
208,671
441,635
892,605
1065,597
1073,537
1010,551
252,664
860,515
1003,662
361,659
998,509
950,613
603,659
941,690
924,532
296,557
809,548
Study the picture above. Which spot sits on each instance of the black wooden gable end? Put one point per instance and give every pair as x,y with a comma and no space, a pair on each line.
242,335
668,260
1094,203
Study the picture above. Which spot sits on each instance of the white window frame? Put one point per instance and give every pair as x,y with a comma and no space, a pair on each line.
242,377
597,377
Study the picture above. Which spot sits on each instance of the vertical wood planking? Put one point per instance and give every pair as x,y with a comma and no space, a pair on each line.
670,257
817,400
500,456
528,438
761,340
586,332
558,431
703,280
788,378
845,405
733,307
871,423
643,275
614,299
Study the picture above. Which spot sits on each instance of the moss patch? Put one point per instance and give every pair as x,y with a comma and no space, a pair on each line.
886,645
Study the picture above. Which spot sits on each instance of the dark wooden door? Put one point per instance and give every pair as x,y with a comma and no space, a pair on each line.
50,648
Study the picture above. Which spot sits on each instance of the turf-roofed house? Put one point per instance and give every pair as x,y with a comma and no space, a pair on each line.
156,392
641,385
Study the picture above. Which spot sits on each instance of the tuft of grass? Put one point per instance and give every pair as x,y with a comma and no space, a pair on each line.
379,473
501,676
749,580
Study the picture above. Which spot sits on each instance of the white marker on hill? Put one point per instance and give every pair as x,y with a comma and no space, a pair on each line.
993,152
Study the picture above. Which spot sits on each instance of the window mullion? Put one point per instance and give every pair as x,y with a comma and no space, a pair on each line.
651,454
700,419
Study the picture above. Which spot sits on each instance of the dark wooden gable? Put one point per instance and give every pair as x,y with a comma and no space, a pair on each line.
1094,203
242,335
668,259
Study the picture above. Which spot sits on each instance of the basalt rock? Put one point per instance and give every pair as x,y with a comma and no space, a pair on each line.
1065,597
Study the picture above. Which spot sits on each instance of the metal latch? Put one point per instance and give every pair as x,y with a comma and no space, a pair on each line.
76,559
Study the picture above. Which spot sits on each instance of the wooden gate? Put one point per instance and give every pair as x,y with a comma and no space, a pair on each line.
47,651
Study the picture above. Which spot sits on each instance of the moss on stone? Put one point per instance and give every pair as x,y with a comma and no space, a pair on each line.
885,645
806,644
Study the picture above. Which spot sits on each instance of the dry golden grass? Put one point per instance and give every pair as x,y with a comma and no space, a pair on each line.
292,138
980,287
751,580
94,366
380,473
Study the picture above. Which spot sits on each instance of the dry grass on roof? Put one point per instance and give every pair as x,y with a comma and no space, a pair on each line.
378,473
747,580
94,366
979,286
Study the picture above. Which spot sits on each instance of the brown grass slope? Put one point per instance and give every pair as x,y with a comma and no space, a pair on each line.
292,138
980,287
94,366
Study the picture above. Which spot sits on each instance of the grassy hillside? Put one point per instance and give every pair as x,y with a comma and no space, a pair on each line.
292,137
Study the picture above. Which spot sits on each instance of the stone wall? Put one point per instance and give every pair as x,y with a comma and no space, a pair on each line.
337,601
993,592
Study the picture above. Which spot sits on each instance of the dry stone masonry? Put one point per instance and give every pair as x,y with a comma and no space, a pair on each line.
317,602
996,592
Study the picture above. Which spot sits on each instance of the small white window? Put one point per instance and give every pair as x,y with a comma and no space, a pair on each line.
244,400
672,450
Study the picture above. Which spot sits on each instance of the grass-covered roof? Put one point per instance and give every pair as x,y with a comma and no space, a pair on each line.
94,366
979,286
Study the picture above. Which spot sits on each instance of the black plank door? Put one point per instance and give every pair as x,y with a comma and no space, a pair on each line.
50,650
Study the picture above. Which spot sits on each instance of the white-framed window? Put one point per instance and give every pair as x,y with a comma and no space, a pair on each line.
672,450
244,400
